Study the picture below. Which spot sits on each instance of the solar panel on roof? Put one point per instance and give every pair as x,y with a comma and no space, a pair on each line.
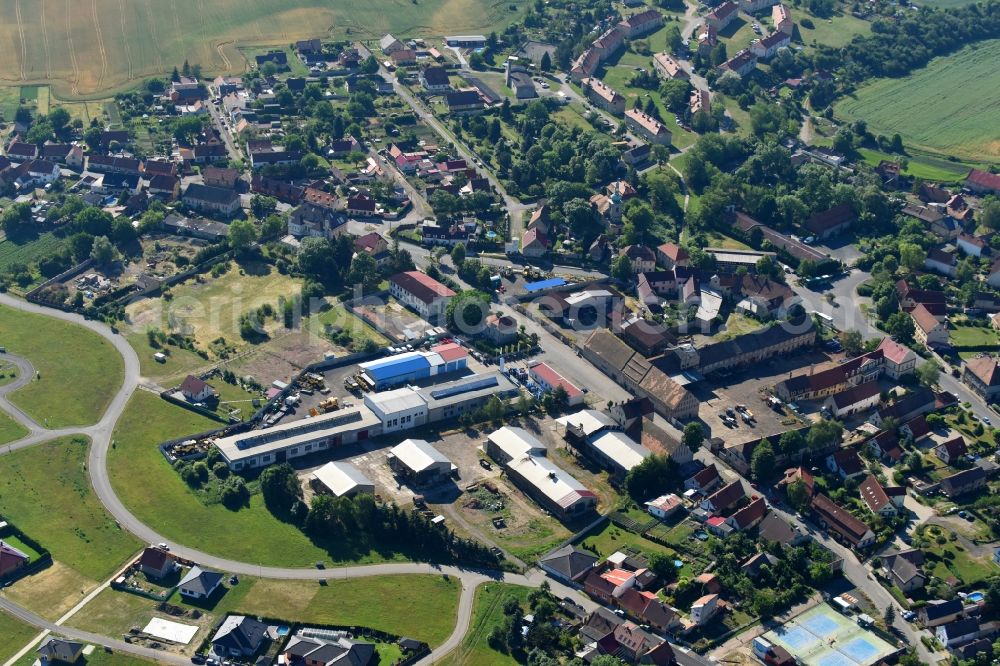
447,392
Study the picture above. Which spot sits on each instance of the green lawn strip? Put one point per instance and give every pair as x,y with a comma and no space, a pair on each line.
135,465
14,635
96,658
10,430
45,491
836,31
487,613
80,371
918,165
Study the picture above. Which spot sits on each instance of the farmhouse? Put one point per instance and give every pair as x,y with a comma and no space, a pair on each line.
434,79
964,482
983,182
461,101
928,330
424,294
875,497
839,520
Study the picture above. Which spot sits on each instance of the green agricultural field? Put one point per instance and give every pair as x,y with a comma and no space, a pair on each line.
88,49
80,371
14,635
925,111
487,613
46,492
920,165
29,251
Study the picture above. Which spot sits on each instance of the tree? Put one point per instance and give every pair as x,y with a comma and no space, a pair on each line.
467,309
890,611
59,119
900,327
989,214
694,436
798,495
824,434
364,272
762,462
103,252
546,63
280,487
650,477
458,255
852,342
621,269
911,255
242,235
928,373
262,206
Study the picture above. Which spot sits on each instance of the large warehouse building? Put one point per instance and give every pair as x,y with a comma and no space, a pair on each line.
414,366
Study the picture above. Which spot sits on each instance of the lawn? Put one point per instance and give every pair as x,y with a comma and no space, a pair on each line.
135,465
923,109
210,308
337,317
30,250
14,635
80,371
971,571
487,613
86,50
46,492
920,165
836,31
738,324
10,430
342,602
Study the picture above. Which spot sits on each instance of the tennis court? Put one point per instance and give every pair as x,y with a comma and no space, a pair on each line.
823,637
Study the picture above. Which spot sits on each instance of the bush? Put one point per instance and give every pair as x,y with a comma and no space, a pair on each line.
234,493
220,470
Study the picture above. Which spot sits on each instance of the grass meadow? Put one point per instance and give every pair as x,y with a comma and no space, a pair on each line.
487,613
926,111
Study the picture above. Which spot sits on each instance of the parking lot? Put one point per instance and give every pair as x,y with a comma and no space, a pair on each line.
747,388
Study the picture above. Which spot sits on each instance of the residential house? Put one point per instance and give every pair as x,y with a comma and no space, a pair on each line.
518,79
403,57
194,389
568,563
771,44
943,262
831,222
952,450
742,63
434,79
220,177
845,463
239,637
776,529
271,157
764,297
603,96
11,559
982,375
200,584
839,520
422,293
875,497
705,481
534,243
964,482
671,255
664,506
983,182
113,164
704,609
463,101
320,220
389,44
904,569
958,632
337,650
928,330
500,329
648,127
643,23
668,67
854,400
212,199
974,246
781,19
197,228
59,651
157,563
749,516
19,152
938,612
752,567
885,446
898,359
722,16
164,186
918,401
642,258
361,205
724,498
375,245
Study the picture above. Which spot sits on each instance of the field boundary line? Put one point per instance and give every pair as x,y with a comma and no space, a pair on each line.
100,45
128,51
45,40
75,87
153,33
20,33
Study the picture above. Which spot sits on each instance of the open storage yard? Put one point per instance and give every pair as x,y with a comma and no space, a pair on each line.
87,48
922,109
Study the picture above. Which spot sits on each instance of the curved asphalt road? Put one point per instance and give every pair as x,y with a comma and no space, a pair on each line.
101,436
